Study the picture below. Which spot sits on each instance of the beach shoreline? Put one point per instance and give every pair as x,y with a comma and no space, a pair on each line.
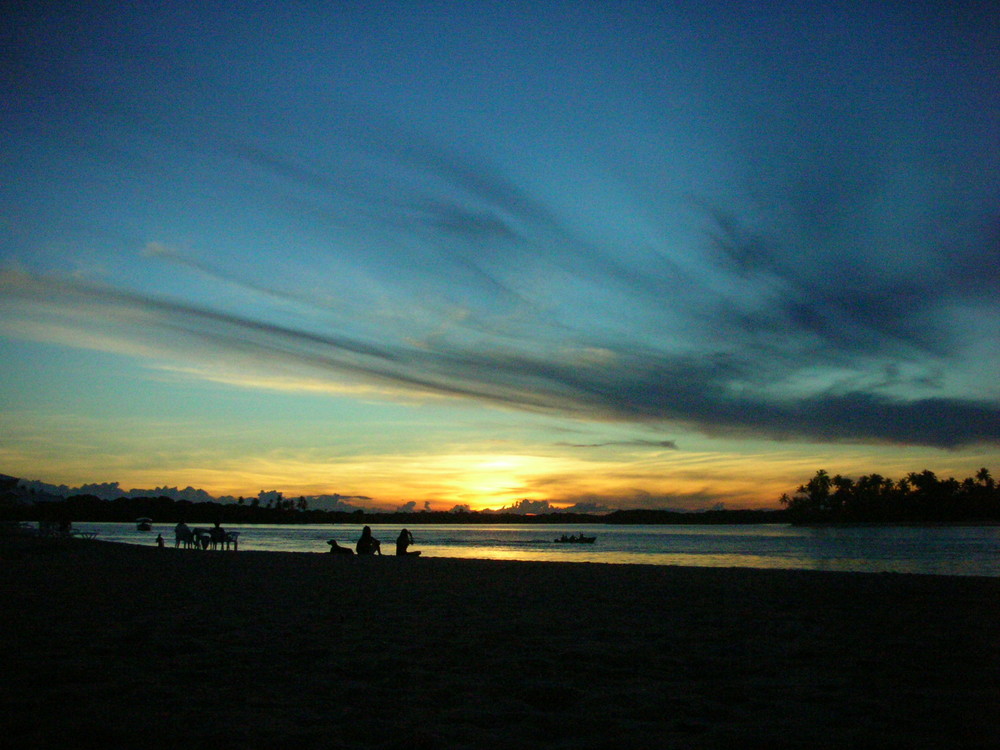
119,645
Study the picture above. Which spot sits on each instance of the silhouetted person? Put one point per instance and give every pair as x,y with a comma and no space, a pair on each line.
217,535
404,540
367,544
338,550
159,540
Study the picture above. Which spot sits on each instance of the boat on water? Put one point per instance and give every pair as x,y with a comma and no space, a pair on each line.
581,539
144,524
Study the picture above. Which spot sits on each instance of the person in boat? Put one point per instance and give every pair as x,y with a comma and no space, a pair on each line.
367,544
404,540
336,549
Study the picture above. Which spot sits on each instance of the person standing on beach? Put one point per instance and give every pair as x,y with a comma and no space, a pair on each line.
367,544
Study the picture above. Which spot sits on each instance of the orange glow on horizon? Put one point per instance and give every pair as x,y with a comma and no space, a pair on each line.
481,479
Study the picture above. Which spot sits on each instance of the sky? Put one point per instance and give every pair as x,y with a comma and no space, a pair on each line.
592,255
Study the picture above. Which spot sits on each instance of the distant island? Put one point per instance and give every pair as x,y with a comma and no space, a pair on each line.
917,498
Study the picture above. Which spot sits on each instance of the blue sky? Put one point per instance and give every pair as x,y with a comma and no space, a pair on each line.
642,254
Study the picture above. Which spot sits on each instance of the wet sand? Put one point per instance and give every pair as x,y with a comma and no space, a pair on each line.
108,645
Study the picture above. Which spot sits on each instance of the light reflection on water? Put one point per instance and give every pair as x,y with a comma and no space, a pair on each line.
959,550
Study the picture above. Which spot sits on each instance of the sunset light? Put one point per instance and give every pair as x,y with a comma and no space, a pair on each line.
450,374
596,256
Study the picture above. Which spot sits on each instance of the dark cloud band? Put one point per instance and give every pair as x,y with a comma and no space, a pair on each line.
630,386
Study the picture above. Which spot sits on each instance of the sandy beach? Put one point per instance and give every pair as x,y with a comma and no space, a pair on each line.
109,645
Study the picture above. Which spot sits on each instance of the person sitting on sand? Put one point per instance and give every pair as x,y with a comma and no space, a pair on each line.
338,550
367,544
404,540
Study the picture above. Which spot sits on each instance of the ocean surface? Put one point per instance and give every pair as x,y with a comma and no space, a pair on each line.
939,550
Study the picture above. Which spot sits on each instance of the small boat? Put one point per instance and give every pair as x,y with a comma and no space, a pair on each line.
581,539
144,524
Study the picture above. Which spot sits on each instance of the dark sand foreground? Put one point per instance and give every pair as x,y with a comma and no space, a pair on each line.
115,646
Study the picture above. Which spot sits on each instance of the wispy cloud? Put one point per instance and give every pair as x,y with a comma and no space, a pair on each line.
162,252
802,310
634,385
637,443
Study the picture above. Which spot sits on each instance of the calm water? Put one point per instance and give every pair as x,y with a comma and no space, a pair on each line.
962,550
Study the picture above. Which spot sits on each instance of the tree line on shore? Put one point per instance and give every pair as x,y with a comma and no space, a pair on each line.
919,497
916,498
83,508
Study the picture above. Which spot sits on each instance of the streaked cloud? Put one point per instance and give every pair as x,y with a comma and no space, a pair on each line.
711,394
637,443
